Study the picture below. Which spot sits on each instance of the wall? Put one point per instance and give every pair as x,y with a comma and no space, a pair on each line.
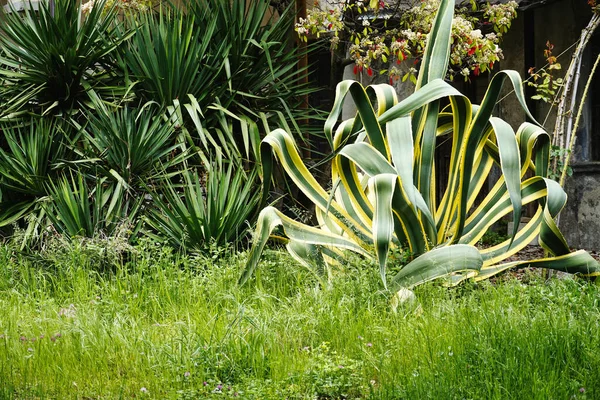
580,220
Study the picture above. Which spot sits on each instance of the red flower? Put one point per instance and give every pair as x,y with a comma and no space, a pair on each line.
369,71
472,51
355,69
476,70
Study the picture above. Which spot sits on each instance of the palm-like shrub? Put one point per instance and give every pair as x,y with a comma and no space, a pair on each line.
130,145
31,153
77,208
260,70
54,56
171,57
238,54
208,210
383,182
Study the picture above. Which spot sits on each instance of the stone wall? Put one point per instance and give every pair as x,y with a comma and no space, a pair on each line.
580,220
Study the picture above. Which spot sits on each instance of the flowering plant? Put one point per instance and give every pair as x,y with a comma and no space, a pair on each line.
379,35
125,6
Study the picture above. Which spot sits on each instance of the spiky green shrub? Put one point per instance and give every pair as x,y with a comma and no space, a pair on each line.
53,57
77,207
383,200
32,152
205,211
130,145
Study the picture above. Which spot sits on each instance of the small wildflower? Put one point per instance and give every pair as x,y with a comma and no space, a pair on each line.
187,374
369,344
23,339
582,390
204,383
144,390
30,350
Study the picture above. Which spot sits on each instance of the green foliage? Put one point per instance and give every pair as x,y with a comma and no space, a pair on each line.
492,238
74,210
54,57
127,106
557,156
546,83
33,149
260,69
383,182
210,209
171,58
156,320
333,375
131,145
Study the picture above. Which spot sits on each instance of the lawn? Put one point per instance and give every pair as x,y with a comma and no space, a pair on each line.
90,320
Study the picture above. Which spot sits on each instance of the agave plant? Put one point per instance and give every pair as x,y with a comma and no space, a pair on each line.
383,182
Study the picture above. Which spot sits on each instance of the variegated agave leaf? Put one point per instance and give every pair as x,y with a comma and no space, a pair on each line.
383,176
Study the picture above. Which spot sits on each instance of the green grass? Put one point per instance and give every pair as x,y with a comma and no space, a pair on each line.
85,321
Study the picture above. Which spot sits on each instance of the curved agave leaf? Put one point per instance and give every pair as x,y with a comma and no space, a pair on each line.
437,53
578,262
270,218
510,164
438,263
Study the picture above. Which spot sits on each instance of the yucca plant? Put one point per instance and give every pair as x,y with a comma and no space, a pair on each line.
52,57
31,153
130,145
77,207
260,73
383,201
207,208
171,58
